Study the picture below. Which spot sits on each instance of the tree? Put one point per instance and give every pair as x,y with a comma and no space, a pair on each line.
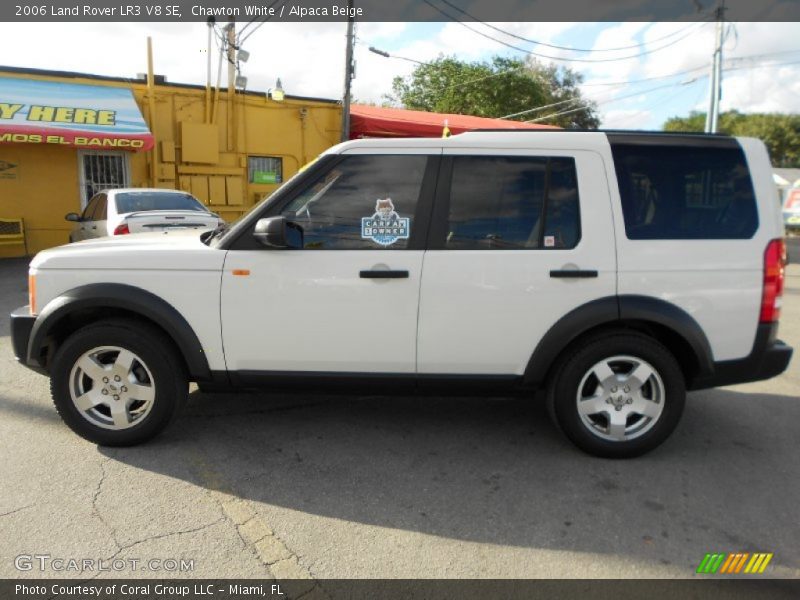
780,132
497,88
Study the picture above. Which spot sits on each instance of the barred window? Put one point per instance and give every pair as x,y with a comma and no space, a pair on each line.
102,172
264,169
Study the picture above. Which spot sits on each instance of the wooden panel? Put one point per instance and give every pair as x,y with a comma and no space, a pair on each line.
234,190
202,170
216,190
200,188
199,142
185,184
168,151
166,171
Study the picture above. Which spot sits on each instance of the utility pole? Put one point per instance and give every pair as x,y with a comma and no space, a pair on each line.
715,92
231,78
348,73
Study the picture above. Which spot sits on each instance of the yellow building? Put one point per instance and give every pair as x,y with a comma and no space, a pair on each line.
229,152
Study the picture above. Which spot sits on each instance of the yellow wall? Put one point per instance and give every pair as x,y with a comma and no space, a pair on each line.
46,183
42,189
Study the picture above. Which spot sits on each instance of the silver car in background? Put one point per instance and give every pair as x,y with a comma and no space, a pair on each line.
139,210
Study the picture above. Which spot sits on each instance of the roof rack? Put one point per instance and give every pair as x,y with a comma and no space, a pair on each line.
612,131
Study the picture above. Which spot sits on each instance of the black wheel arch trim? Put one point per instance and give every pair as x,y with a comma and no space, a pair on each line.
612,310
655,310
125,297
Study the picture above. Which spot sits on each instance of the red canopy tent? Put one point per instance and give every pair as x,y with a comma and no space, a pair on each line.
375,121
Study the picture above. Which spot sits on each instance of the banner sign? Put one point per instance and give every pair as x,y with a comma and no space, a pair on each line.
68,114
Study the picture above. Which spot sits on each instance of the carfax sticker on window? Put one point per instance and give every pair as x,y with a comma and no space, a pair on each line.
385,226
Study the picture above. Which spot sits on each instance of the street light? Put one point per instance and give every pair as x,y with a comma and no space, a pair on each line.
276,93
385,54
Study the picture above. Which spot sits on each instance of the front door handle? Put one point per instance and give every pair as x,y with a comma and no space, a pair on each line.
383,274
573,273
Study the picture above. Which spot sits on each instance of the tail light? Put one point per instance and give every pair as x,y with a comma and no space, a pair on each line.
122,229
774,274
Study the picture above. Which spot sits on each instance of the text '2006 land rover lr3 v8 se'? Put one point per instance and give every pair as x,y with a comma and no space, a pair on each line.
616,271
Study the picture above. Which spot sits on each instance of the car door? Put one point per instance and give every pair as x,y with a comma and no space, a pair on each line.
519,238
346,302
84,228
99,224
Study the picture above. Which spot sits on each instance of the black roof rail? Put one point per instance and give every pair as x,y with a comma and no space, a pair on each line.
611,131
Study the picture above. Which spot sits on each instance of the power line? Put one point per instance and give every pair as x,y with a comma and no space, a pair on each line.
558,58
668,98
730,60
642,92
264,19
634,81
556,46
599,102
530,110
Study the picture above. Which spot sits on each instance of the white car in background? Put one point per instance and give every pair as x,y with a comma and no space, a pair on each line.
140,210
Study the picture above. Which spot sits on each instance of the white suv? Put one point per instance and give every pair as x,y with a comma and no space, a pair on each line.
614,270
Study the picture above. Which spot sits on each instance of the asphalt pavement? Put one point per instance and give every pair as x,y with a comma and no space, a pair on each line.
316,487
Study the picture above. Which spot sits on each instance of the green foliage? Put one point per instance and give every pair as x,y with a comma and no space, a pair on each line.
780,132
440,86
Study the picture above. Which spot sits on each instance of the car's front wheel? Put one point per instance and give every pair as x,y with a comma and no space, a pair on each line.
618,396
117,382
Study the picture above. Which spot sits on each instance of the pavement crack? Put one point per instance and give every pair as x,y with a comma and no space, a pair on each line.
96,510
159,536
16,510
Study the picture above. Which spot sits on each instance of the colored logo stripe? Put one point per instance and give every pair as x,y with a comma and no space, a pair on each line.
734,563
758,563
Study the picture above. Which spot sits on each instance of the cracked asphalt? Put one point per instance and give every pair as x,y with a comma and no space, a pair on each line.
312,487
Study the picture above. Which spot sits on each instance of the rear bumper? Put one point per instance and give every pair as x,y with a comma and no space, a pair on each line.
21,326
770,357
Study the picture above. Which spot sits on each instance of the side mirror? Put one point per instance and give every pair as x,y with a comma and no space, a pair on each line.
74,217
275,232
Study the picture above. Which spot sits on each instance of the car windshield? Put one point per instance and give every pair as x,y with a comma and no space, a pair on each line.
128,202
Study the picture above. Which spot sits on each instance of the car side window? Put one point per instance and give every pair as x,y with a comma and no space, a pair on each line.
364,202
513,203
91,207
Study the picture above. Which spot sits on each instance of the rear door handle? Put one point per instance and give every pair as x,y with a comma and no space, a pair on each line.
383,274
573,273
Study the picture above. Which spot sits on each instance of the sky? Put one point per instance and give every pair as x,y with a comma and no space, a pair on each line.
664,74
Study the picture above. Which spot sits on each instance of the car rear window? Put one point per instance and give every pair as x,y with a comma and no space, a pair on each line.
128,202
685,192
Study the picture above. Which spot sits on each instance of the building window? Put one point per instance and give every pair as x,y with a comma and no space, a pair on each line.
101,171
264,169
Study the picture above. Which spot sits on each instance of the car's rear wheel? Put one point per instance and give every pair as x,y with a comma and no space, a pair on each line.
617,396
117,382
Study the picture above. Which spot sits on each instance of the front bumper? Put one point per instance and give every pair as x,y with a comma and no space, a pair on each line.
21,326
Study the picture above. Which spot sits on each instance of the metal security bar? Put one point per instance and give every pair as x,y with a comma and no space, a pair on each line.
12,231
265,169
101,172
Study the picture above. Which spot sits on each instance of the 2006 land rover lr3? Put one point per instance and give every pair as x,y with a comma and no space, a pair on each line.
616,271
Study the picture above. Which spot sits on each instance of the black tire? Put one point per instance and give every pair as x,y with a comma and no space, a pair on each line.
576,364
165,374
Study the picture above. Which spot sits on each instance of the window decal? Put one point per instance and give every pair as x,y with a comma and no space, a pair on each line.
385,227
